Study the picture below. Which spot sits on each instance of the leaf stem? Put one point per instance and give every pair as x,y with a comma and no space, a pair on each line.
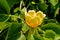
11,16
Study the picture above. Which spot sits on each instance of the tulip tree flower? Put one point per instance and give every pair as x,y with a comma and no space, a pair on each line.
33,19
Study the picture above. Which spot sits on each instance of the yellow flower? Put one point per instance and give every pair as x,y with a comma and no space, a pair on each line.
33,19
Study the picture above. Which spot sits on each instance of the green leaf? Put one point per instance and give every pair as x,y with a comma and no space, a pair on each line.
4,18
33,2
42,1
50,21
30,35
4,6
4,26
22,37
56,12
37,36
17,9
50,34
48,39
14,17
51,26
57,37
2,11
43,6
12,2
14,31
23,11
54,2
25,28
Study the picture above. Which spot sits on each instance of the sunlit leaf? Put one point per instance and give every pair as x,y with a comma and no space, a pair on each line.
4,26
30,37
14,17
22,37
57,37
22,13
25,28
54,2
4,18
42,1
16,10
57,11
48,39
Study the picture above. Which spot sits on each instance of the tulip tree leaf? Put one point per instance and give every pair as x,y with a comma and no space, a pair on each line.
57,11
14,31
12,2
50,34
43,6
51,26
4,6
54,2
4,26
22,37
30,35
3,18
25,28
22,13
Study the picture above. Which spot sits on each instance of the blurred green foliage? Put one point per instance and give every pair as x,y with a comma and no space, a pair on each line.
51,26
12,20
50,34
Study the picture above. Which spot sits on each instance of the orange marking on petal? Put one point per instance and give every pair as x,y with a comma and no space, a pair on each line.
34,19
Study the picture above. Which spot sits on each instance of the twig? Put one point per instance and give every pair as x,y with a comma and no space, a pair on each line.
21,4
